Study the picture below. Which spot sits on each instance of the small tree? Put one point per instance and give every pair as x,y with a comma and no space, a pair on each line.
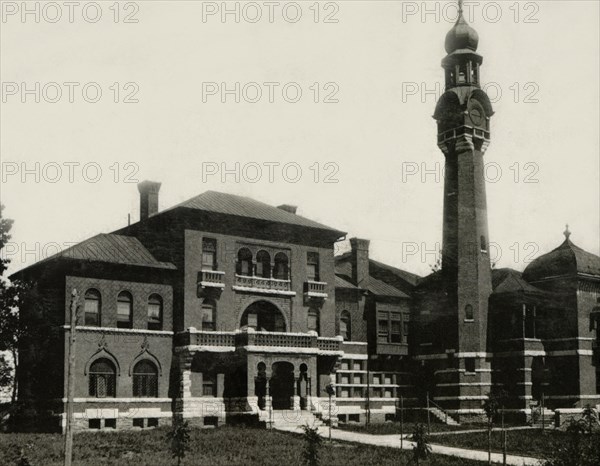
491,406
582,447
422,449
312,443
179,438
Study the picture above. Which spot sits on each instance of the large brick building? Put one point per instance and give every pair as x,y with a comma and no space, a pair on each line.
224,308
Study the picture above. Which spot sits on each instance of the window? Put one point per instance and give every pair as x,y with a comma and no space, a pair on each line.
244,264
92,308
102,379
155,312
263,264
470,365
145,379
405,328
313,320
94,423
484,245
312,266
138,422
389,327
124,310
208,315
346,326
529,321
209,254
209,386
469,312
280,271
110,423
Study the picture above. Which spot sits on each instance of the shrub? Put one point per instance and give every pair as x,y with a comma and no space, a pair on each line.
312,443
422,449
179,438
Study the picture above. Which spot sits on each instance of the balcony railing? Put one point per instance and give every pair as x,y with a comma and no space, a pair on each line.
263,285
314,289
293,341
212,278
329,344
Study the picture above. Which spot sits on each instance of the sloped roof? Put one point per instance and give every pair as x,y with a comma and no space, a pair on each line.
373,285
379,288
109,248
511,281
231,204
340,282
342,263
567,259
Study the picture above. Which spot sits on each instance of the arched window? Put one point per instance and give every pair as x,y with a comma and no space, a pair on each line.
313,320
92,307
145,379
281,266
103,378
124,310
469,312
263,264
244,262
346,326
155,312
209,311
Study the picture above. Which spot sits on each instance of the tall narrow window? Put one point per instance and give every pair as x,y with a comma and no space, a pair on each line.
469,312
346,326
396,327
92,307
405,328
155,312
313,320
383,327
470,365
484,244
280,271
145,379
208,315
529,321
209,254
244,264
124,310
312,266
209,385
263,264
102,377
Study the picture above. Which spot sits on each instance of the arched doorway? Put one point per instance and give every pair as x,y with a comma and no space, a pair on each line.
263,316
282,385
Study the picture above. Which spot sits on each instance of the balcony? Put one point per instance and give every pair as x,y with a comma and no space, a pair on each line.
314,289
281,341
263,285
211,279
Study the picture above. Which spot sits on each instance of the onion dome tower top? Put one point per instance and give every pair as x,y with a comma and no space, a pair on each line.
461,36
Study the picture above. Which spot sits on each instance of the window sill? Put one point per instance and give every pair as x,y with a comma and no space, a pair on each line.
469,320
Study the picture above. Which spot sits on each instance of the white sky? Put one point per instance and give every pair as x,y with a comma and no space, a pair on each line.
371,53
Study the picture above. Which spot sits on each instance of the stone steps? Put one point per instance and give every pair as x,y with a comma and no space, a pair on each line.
443,417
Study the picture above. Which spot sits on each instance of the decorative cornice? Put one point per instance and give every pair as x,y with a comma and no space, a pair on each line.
109,330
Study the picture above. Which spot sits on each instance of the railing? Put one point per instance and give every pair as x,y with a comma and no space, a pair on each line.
329,344
212,278
281,339
261,283
254,338
315,289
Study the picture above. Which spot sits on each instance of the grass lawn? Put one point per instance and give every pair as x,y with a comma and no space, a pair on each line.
225,446
529,442
390,428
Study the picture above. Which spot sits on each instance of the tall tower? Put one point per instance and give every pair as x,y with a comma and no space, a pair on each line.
463,119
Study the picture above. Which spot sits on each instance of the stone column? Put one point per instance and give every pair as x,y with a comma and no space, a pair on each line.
296,397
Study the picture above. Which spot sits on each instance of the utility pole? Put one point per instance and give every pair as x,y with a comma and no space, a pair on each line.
70,384
401,422
428,416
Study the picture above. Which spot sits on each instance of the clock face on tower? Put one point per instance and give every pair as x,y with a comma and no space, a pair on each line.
476,113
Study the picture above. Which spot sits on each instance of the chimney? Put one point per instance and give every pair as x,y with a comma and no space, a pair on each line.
359,258
288,208
148,198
